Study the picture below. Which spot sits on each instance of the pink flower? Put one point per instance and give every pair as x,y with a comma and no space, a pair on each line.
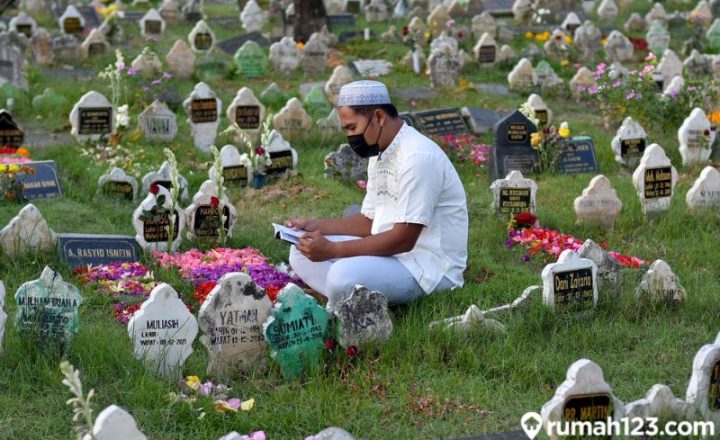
206,388
132,71
630,95
592,90
156,82
167,75
120,67
580,88
362,184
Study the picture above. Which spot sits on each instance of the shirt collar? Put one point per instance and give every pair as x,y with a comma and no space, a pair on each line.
390,150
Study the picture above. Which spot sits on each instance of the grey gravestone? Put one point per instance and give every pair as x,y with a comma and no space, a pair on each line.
158,122
116,183
26,233
66,48
11,66
511,148
91,249
346,165
482,120
608,274
363,318
440,122
230,46
48,308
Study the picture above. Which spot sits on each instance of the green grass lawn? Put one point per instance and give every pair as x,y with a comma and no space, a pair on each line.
421,384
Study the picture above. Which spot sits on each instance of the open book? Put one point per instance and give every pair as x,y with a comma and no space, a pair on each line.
287,234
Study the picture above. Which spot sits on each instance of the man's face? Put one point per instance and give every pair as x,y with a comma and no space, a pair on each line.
354,123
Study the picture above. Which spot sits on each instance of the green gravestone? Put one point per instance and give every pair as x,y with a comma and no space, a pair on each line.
316,102
713,35
296,331
49,102
274,96
48,307
251,60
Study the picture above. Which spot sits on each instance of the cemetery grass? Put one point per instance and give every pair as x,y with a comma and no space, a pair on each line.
420,384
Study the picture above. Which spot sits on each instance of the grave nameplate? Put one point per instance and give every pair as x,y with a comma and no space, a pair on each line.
73,26
542,116
658,182
486,54
714,387
236,175
44,183
24,29
281,161
203,41
153,27
632,148
96,49
95,120
122,189
353,6
207,221
514,200
440,122
10,134
164,183
511,148
155,228
588,408
573,289
247,117
577,156
341,20
203,110
89,249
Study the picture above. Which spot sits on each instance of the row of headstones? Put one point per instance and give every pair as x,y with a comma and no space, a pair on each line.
238,321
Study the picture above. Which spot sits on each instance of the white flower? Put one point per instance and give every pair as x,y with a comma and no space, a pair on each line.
245,160
122,118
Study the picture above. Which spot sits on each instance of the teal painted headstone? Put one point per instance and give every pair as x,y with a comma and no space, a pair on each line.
713,35
274,96
48,307
316,102
49,102
296,331
251,60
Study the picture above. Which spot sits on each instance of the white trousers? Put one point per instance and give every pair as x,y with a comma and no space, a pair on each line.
335,278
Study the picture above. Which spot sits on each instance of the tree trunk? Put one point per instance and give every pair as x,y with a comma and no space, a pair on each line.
310,16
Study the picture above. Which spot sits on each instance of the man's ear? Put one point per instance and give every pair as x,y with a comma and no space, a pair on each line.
380,116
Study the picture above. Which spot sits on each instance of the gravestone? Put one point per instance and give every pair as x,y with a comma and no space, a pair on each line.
608,273
444,64
114,423
251,60
204,214
315,55
705,192
231,320
285,56
274,96
506,55
47,308
163,331
703,391
43,182
296,331
370,68
669,67
11,66
253,18
41,47
577,155
376,11
22,23
571,23
486,50
635,23
151,221
511,147
584,396
660,285
93,250
514,194
697,65
158,122
702,14
162,178
363,318
521,10
658,37
27,233
201,38
247,112
444,38
316,102
542,113
330,127
555,47
659,403
547,78
94,45
152,23
587,40
237,168
657,12
71,22
3,315
570,284
629,143
483,23
437,20
92,117
522,76
696,138
713,36
203,108
292,120
618,47
181,60
340,76
481,120
116,183
655,179
607,11
345,165
170,10
10,134
147,64
282,155
440,122
599,204
583,80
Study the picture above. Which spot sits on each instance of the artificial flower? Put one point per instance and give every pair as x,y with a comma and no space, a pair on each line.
351,351
228,405
23,152
247,405
192,382
154,188
535,139
330,344
564,130
214,202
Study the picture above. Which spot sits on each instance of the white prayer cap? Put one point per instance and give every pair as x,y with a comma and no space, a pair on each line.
363,93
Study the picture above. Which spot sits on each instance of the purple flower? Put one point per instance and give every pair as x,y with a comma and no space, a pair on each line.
167,75
616,84
132,71
120,67
526,258
691,88
630,95
206,388
592,90
156,82
145,88
581,88
508,243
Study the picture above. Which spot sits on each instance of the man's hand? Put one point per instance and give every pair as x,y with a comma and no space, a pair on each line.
315,247
302,223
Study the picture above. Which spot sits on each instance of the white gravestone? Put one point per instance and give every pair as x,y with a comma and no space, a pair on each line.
583,78
71,21
629,143
608,275
570,284
618,47
514,194
92,117
162,177
158,122
584,392
23,24
95,44
655,179
163,331
27,233
657,12
522,76
247,112
203,219
285,56
252,17
283,155
152,23
147,64
114,423
340,76
598,205
659,403
705,192
483,23
151,221
292,120
181,60
608,10
660,285
116,181
704,388
485,50
542,112
201,38
696,137
3,315
669,66
231,320
676,85
237,168
571,23
203,108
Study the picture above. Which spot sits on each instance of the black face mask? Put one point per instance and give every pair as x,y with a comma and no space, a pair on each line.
360,146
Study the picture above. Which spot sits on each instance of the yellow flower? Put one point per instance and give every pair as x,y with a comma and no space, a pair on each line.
535,139
22,151
300,45
105,12
428,35
247,405
14,167
3,167
564,62
193,382
714,117
603,41
529,35
564,131
568,39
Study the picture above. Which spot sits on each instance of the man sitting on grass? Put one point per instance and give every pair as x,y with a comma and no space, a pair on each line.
410,238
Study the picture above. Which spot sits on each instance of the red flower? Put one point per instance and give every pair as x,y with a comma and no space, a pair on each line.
203,290
351,351
214,202
525,219
260,151
406,30
706,132
639,43
558,37
459,34
154,188
330,344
